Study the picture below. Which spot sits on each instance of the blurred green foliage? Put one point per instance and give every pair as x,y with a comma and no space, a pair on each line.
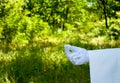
33,34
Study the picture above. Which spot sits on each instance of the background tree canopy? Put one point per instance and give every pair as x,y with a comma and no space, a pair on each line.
33,34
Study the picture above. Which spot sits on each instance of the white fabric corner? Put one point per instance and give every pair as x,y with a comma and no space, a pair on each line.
105,65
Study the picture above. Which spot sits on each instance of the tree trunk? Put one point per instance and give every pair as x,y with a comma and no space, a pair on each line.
105,12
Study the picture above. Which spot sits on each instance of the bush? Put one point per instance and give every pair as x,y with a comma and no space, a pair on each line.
114,29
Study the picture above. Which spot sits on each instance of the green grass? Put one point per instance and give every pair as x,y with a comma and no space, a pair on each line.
36,66
45,61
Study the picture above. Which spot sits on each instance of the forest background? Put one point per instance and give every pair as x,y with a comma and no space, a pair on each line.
33,34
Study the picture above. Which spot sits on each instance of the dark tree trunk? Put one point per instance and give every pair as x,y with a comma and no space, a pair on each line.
104,3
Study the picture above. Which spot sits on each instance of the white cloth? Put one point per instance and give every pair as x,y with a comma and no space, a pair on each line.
105,65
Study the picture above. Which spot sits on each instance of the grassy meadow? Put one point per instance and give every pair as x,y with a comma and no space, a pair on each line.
44,61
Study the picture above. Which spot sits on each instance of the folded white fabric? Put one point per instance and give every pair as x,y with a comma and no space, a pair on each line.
76,55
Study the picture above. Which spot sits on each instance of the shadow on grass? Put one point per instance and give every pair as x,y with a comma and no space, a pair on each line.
33,65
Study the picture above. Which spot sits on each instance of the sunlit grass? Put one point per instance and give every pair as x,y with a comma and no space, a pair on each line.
45,61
